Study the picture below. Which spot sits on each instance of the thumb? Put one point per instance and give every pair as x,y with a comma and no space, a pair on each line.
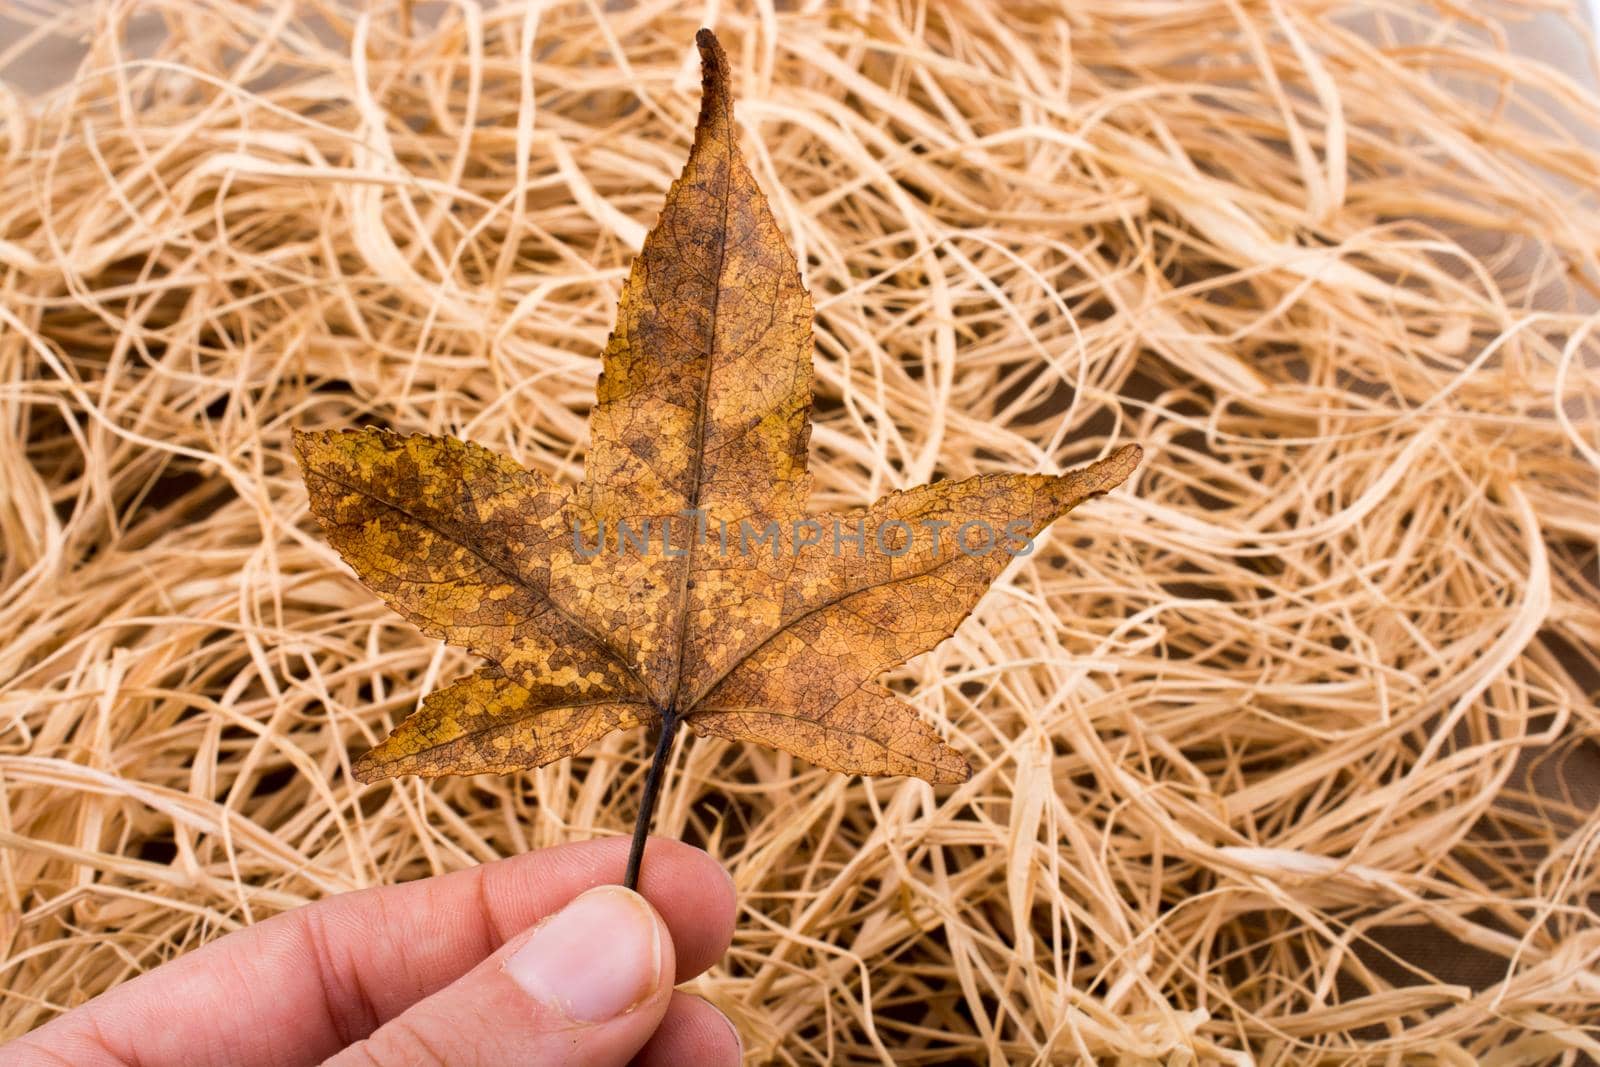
588,985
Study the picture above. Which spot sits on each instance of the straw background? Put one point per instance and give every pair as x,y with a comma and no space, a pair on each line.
1285,752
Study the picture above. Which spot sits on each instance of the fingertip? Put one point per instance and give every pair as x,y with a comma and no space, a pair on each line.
606,953
692,1031
688,888
590,984
696,896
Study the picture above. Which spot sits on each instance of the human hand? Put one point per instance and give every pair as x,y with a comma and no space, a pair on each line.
539,959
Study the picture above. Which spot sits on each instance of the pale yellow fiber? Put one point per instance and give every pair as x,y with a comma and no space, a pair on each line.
1285,752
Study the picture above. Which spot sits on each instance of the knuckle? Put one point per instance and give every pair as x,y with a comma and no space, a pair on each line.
349,1008
43,1055
401,1042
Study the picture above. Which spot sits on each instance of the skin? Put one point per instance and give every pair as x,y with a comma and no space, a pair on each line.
410,976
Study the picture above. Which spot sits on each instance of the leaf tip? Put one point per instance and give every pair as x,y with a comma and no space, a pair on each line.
366,770
710,48
715,99
1114,469
956,770
946,766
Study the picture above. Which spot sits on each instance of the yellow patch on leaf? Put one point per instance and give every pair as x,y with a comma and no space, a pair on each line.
684,578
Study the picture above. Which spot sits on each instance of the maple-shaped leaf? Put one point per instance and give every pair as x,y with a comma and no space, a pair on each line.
684,580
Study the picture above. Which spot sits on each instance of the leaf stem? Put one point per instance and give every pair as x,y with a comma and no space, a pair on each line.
647,802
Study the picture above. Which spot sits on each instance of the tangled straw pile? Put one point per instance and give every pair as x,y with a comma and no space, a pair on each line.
1287,751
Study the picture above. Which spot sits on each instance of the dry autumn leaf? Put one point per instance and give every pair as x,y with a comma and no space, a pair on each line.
684,580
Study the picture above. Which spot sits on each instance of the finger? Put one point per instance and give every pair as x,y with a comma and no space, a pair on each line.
305,984
694,1032
587,986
